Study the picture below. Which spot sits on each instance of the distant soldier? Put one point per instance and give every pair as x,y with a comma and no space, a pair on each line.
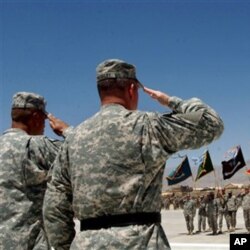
222,209
181,203
171,200
246,208
212,212
232,209
202,214
176,202
167,203
238,198
189,210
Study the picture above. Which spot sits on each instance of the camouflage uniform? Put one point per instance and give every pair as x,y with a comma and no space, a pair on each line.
232,210
189,210
114,164
202,215
167,203
222,212
246,210
212,212
24,164
25,161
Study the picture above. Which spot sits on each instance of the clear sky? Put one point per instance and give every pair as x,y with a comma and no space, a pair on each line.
184,48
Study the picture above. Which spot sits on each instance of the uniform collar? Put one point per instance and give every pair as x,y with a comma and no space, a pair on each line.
15,130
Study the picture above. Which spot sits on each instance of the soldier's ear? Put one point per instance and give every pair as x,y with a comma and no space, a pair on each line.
131,89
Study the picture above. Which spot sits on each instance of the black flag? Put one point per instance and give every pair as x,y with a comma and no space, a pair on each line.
230,167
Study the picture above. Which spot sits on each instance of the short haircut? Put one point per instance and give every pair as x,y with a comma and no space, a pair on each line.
21,115
112,85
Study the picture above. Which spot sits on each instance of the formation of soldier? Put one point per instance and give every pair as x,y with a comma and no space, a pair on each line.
212,209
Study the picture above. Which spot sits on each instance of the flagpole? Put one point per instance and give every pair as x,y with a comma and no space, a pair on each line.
216,180
194,182
221,182
215,177
194,186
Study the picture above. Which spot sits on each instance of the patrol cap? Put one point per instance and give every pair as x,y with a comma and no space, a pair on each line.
116,69
28,100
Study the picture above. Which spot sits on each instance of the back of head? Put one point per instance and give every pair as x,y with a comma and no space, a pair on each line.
117,83
211,195
24,105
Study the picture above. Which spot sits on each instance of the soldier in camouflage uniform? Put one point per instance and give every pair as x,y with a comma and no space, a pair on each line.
232,210
246,208
222,209
202,214
189,211
176,202
212,212
25,159
109,172
167,203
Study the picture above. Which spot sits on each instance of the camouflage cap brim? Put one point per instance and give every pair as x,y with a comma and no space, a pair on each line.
140,85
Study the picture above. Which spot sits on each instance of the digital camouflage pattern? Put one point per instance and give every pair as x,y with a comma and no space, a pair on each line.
115,68
189,207
231,211
189,211
246,210
24,164
222,211
113,163
27,100
212,213
202,215
231,203
246,202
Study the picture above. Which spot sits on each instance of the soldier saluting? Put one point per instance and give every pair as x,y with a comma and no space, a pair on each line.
109,172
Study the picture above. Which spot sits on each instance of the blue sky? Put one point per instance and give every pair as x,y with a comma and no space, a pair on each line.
184,48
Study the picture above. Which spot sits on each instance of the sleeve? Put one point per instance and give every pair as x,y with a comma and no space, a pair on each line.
68,131
57,209
191,125
40,155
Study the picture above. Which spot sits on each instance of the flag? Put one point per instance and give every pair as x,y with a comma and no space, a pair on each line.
181,173
205,165
248,172
231,166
